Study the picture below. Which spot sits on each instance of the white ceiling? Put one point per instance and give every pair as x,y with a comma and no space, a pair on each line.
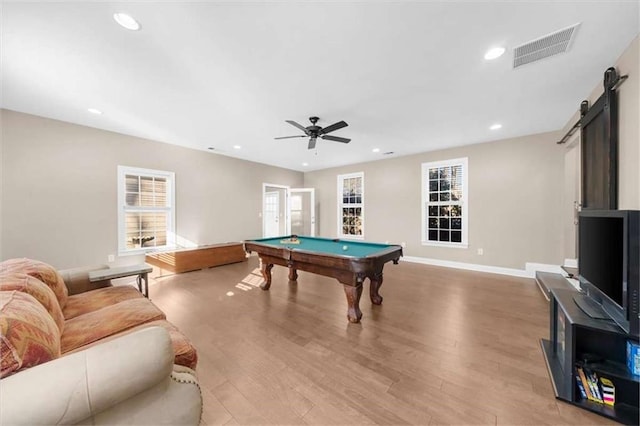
407,76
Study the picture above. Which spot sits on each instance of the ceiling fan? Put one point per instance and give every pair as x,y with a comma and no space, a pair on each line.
314,132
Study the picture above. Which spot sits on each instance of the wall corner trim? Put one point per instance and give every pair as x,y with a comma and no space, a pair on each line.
528,272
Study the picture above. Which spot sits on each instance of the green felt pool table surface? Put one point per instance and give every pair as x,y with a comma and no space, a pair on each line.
328,246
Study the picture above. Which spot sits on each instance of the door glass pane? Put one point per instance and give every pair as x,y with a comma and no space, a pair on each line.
301,213
271,214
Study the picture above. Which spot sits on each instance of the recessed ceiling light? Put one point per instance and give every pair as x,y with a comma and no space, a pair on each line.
237,147
305,164
126,21
494,52
376,149
94,111
496,126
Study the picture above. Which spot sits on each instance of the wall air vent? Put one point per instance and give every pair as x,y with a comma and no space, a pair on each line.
543,47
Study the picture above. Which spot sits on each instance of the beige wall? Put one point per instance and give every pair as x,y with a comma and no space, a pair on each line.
59,190
629,128
515,189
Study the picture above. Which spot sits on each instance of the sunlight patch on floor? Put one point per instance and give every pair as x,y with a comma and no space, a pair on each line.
253,279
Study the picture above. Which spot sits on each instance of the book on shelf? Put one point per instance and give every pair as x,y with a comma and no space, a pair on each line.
583,393
594,388
608,391
585,383
593,382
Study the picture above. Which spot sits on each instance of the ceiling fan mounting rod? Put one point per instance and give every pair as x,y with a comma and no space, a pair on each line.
313,120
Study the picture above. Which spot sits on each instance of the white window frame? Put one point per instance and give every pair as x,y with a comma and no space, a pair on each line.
341,179
123,208
464,202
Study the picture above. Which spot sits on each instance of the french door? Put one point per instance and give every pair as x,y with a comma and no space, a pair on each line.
287,211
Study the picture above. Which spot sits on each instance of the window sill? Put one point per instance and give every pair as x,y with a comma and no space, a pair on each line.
446,245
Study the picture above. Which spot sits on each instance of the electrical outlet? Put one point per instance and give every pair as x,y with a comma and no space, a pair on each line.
480,251
111,258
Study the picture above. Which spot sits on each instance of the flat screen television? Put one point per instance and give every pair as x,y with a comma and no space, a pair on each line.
609,266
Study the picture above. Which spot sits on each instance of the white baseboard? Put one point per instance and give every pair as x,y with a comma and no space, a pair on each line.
471,266
528,272
532,268
571,263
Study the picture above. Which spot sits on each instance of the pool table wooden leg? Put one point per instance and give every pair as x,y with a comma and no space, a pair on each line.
374,288
353,302
266,274
293,274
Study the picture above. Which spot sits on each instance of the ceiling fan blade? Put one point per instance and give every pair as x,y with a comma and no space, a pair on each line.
333,127
335,138
312,143
299,126
289,137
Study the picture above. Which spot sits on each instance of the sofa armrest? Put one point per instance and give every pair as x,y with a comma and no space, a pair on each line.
77,279
174,401
82,385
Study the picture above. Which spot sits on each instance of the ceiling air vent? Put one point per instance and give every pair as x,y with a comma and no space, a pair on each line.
543,47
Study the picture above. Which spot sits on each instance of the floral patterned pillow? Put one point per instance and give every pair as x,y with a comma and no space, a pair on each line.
29,336
40,270
40,291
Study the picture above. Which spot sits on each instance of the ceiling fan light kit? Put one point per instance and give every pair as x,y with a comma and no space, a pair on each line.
314,132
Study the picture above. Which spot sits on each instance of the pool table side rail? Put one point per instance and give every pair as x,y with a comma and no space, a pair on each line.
329,240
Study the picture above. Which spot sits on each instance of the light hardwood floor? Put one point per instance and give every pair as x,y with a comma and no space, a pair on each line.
446,347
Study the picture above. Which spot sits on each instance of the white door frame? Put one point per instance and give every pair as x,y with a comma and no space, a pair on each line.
287,220
312,192
573,196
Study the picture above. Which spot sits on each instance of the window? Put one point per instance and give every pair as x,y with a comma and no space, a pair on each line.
444,203
146,210
351,206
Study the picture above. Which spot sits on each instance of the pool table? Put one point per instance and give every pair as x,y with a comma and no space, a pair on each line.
350,262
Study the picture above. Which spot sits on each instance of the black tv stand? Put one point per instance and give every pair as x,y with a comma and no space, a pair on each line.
575,340
590,307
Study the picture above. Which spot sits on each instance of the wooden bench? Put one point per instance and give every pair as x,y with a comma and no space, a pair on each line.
192,259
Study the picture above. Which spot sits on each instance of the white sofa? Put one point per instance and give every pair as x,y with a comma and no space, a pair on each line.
102,355
128,380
